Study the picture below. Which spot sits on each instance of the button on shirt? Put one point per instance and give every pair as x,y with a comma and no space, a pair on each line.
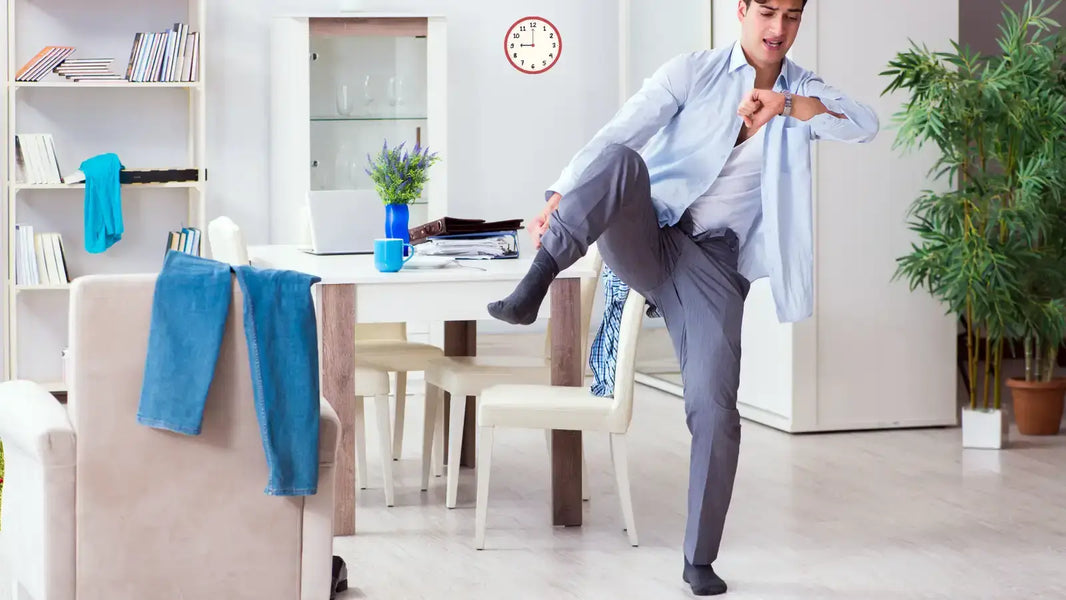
684,124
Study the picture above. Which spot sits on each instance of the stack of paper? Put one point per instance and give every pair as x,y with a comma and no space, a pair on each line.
501,244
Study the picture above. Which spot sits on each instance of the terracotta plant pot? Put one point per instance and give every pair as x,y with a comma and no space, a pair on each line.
1037,405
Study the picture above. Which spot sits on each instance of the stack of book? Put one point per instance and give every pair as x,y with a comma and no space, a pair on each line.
35,157
186,240
43,63
172,55
87,69
39,258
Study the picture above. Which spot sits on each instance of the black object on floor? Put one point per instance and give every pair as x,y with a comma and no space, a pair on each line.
340,577
703,580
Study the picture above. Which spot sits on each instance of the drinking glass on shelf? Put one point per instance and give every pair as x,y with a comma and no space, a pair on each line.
344,100
368,95
396,91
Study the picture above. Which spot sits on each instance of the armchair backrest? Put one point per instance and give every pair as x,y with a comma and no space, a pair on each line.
164,515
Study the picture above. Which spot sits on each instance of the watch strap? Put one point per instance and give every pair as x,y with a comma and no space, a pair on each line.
787,112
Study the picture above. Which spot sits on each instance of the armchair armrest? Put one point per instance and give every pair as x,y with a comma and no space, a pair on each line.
317,559
329,433
40,455
35,424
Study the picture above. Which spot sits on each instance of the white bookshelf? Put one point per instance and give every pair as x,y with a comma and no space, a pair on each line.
149,125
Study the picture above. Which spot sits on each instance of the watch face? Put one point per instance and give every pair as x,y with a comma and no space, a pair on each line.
532,45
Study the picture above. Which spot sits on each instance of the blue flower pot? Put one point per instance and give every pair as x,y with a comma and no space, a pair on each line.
397,217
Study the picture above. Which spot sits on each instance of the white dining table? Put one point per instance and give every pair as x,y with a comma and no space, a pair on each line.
430,289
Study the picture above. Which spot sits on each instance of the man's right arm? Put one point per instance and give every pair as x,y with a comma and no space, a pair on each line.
644,114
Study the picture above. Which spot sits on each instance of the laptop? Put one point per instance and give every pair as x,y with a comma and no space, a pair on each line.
345,221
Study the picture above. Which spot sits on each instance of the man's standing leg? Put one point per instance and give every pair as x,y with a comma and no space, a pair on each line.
612,204
704,320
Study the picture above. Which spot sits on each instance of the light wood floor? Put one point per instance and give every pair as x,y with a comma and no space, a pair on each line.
863,516
884,515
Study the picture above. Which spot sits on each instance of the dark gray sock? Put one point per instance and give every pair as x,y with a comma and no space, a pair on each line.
703,580
521,307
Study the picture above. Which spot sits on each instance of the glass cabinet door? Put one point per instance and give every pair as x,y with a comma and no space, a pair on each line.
368,87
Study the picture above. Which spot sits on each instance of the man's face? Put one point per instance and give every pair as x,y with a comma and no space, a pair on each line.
768,29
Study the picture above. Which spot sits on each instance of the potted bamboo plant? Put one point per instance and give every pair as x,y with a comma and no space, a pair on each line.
991,247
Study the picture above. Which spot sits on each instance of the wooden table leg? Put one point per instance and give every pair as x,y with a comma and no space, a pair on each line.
460,339
337,368
566,370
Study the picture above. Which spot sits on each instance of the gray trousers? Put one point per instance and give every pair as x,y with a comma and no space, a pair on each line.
694,283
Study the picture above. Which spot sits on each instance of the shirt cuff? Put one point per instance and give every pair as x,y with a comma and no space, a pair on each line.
562,186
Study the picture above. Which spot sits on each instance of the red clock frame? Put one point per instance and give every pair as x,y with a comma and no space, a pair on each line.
558,51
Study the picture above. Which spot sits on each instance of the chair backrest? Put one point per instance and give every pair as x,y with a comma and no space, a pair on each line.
629,332
158,514
227,241
594,261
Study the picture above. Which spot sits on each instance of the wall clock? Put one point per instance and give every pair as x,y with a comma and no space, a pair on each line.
532,45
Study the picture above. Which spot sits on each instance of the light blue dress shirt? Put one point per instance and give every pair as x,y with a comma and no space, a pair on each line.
683,121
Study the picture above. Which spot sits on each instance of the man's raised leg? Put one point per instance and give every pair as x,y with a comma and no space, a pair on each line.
612,200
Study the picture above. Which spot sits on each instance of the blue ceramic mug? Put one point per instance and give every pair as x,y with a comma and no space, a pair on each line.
390,254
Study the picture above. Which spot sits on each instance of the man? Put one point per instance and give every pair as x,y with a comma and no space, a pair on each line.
718,196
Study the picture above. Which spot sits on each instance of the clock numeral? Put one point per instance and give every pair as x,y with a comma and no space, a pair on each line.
544,28
551,36
533,24
523,63
512,44
522,28
516,55
516,36
543,63
553,44
550,55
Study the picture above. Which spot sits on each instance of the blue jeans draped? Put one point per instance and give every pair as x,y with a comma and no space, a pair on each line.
189,310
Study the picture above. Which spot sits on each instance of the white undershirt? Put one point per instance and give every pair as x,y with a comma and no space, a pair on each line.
734,200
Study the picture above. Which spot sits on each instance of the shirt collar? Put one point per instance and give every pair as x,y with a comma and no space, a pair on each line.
737,61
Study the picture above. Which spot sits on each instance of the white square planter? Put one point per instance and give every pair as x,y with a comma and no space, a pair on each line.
984,429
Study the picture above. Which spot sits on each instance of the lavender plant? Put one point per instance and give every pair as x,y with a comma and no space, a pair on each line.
398,174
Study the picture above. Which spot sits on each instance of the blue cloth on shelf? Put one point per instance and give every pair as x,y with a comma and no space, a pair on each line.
103,202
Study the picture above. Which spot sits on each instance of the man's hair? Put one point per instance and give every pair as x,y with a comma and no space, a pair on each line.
748,2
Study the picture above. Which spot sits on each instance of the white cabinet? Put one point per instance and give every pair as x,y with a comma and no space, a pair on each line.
342,85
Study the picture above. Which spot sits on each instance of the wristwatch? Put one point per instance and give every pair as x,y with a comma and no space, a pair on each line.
787,112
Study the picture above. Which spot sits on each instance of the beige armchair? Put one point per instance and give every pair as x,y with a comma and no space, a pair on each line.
97,506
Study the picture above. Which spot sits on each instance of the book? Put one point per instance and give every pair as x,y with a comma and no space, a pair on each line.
187,240
43,63
454,225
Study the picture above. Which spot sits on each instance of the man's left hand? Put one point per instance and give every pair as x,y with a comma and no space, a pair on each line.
759,106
